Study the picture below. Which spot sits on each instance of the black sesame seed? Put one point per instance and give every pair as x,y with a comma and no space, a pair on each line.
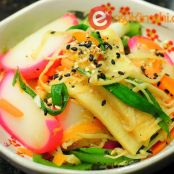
91,57
55,76
121,73
80,52
95,62
73,70
98,34
98,65
113,62
155,75
73,86
45,112
68,47
143,69
52,32
61,77
158,84
101,76
118,55
103,102
88,44
166,91
159,54
74,48
49,104
67,75
107,45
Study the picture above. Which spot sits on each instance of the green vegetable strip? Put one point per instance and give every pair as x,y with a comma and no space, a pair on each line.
54,94
135,100
59,94
39,159
162,114
124,40
84,72
131,98
83,27
94,150
23,86
101,159
135,29
98,37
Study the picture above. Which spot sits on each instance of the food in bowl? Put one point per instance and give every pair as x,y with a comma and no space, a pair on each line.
84,99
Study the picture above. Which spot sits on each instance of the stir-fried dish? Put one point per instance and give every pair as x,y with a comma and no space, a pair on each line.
85,99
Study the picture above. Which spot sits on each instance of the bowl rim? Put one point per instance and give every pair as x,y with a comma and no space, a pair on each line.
29,165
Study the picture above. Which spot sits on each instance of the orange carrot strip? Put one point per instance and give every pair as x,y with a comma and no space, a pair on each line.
25,151
80,36
158,147
8,107
59,159
149,43
169,139
172,133
167,84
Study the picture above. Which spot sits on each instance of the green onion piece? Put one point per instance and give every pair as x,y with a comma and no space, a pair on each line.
98,37
165,118
94,150
131,98
83,72
31,92
135,29
101,159
83,27
39,159
22,85
59,94
124,40
137,101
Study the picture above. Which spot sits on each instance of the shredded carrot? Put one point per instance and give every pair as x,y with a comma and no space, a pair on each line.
59,159
169,139
172,133
167,84
32,83
52,69
153,66
11,109
158,147
67,63
25,151
89,127
81,36
149,44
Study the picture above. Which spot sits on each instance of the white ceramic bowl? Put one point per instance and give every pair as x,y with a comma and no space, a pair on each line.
28,20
